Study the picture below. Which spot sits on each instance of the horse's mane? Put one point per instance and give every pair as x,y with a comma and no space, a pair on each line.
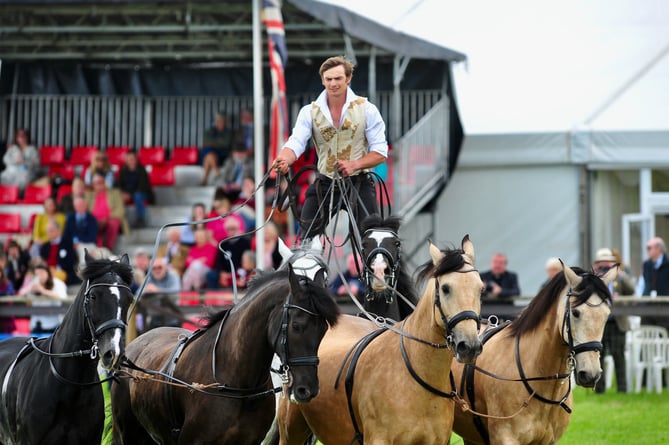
453,260
531,317
95,268
321,300
374,221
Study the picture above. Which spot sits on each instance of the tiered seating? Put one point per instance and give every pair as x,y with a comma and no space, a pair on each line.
184,155
9,194
36,194
52,154
10,222
82,155
151,155
65,170
116,154
162,174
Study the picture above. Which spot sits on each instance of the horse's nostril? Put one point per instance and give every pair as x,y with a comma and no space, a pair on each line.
302,393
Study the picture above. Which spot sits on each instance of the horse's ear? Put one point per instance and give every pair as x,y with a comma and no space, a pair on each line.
284,250
125,259
293,279
468,248
572,278
87,256
436,254
316,244
319,278
610,274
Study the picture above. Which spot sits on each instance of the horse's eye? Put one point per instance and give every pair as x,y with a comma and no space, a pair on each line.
445,288
576,313
297,327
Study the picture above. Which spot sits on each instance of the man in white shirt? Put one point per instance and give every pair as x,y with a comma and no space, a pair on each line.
349,135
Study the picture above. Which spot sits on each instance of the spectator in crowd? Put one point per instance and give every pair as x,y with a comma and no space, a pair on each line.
245,204
175,252
107,206
235,245
43,283
552,267
216,146
18,263
247,269
81,228
140,261
222,208
99,165
237,166
50,213
22,162
245,134
351,276
162,279
349,134
133,181
271,242
59,254
198,213
66,203
654,279
613,341
201,258
7,324
499,282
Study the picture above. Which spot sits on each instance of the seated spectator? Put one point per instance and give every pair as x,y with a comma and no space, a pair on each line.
553,267
99,165
272,255
66,203
222,208
162,279
247,270
216,146
235,245
351,276
201,258
18,263
245,204
235,168
22,162
107,206
499,282
7,324
59,254
175,252
42,283
50,213
198,213
81,228
140,262
133,181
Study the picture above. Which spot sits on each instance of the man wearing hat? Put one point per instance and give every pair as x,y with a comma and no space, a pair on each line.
613,341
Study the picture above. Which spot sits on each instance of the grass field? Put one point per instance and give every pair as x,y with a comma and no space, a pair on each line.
612,418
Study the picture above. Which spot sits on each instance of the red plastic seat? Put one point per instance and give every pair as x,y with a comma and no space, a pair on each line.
52,154
63,189
65,171
9,194
83,154
151,155
162,174
36,194
10,222
116,154
184,155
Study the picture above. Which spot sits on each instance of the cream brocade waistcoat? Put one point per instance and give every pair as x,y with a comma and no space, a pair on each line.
348,143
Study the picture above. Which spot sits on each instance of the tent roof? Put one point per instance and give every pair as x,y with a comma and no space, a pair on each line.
146,31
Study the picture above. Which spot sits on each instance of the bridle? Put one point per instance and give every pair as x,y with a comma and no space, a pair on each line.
319,263
393,262
449,325
281,344
566,325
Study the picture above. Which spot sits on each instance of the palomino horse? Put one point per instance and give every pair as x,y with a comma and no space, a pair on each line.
521,383
402,391
389,289
50,387
214,386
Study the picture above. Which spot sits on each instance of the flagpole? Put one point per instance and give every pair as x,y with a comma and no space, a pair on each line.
259,143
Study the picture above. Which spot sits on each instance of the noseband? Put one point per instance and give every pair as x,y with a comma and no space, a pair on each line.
281,344
457,318
393,261
566,325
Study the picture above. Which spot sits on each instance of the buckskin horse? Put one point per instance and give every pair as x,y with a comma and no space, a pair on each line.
392,385
50,386
213,385
519,391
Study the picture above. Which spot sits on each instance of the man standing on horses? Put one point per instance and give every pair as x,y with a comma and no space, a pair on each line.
336,121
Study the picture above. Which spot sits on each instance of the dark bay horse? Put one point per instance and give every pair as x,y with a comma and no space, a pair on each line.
389,290
50,387
392,385
213,386
531,360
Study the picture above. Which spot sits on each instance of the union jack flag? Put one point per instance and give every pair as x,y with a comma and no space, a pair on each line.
278,57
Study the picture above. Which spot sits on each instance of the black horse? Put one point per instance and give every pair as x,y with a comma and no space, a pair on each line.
389,289
50,390
213,385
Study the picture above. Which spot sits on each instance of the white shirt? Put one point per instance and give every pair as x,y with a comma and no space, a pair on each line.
375,132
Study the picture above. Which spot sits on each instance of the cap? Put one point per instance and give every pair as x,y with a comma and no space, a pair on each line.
605,254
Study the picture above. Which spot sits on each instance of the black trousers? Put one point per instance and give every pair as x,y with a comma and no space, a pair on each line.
613,344
316,213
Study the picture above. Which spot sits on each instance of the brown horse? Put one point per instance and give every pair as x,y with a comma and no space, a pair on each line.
213,386
392,385
530,361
